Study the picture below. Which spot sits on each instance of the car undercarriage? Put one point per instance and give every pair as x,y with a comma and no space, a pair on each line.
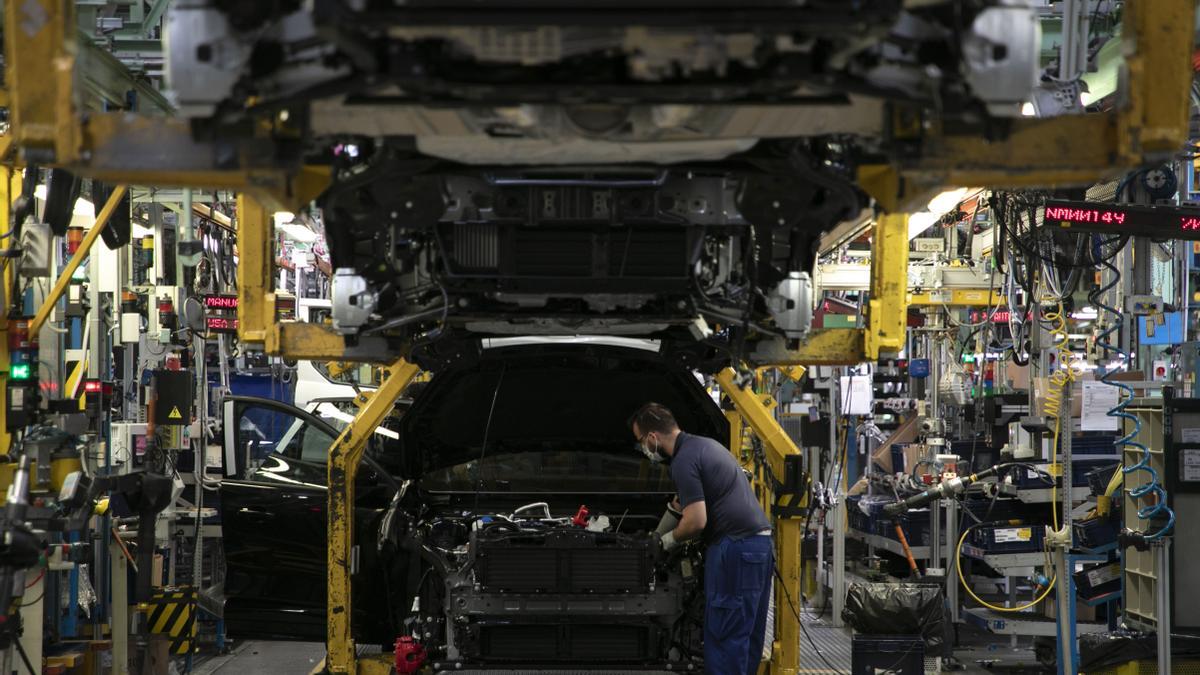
633,250
656,169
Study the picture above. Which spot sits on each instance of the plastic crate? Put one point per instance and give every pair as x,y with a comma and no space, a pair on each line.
1000,509
1028,479
1094,581
1009,538
1093,445
915,523
1082,466
855,518
1098,478
1095,533
898,654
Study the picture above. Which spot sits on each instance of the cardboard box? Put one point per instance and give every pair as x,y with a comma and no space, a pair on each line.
1082,611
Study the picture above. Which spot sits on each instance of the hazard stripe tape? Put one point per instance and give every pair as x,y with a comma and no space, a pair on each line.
74,384
182,644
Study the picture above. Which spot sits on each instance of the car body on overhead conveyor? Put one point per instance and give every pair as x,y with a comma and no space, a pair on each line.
464,524
654,169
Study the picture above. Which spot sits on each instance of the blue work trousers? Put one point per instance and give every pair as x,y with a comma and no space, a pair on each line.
737,589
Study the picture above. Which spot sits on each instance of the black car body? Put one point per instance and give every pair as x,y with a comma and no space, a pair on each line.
468,542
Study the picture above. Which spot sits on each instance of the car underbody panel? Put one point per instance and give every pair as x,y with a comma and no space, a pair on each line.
629,250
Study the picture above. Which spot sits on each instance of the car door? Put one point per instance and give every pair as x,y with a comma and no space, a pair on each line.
273,518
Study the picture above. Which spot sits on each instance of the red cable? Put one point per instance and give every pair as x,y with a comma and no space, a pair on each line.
36,579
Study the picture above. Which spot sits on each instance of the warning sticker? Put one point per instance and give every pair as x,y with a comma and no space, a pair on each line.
1190,469
1007,535
175,414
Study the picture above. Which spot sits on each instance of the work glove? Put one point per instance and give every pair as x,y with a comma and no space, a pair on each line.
669,521
667,541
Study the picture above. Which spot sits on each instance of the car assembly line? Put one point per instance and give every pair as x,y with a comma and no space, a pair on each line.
400,336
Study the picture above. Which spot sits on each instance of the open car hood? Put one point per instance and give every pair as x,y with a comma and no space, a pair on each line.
548,397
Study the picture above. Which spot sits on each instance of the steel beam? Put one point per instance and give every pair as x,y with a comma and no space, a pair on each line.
823,347
256,265
344,457
887,308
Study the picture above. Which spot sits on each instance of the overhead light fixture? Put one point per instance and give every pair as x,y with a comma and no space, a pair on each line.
297,232
938,206
286,222
83,206
919,222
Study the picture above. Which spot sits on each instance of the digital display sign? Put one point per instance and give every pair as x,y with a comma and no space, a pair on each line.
221,302
220,324
1158,222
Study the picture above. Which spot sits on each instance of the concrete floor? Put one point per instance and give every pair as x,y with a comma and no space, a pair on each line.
835,646
303,657
265,657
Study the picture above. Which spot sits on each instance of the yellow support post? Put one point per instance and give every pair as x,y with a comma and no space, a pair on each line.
887,319
755,411
256,268
85,247
11,188
344,456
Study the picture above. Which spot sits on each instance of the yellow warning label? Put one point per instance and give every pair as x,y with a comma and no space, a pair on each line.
175,413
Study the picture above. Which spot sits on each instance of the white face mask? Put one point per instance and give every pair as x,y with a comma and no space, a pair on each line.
654,455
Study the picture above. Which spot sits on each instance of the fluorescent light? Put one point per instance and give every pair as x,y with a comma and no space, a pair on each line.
919,222
83,207
938,206
947,200
297,232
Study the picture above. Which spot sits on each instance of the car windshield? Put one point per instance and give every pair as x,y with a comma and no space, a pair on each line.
552,471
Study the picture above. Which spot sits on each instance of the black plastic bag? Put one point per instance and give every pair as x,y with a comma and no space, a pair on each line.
895,609
1107,650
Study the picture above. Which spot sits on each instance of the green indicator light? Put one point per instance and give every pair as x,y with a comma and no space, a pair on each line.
19,371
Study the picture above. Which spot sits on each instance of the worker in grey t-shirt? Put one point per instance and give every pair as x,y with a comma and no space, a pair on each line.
718,505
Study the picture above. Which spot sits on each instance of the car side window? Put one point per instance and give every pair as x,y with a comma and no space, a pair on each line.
263,431
315,445
306,442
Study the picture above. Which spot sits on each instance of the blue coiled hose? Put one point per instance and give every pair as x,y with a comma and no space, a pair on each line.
1152,486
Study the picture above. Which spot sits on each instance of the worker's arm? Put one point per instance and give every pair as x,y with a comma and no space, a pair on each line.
695,517
686,474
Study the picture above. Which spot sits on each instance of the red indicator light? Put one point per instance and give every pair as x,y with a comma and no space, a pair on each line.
92,386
